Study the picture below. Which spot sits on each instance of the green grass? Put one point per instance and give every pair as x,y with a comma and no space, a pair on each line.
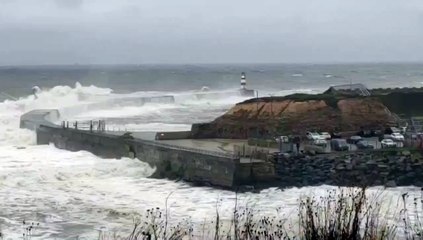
400,101
300,97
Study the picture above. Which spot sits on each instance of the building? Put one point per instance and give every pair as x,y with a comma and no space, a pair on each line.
349,89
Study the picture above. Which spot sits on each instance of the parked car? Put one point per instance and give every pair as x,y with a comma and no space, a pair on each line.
391,130
385,136
397,137
378,132
320,142
313,135
354,139
325,135
364,145
339,145
336,135
366,133
388,143
415,135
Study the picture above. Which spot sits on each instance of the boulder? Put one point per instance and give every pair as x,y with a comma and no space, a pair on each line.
406,153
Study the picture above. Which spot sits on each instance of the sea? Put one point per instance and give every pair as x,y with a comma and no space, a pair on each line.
77,195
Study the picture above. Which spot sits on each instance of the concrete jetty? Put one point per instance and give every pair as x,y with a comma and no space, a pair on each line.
200,162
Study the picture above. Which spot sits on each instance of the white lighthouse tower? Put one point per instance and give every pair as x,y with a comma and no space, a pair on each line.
243,80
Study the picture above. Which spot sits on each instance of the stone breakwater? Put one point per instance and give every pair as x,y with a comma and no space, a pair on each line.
388,168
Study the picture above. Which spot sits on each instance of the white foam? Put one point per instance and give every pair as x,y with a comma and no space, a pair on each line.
226,97
62,184
126,111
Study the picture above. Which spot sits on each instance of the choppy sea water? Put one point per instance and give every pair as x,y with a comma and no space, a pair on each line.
75,193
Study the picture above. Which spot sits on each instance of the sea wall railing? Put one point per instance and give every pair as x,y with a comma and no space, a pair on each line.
95,125
98,126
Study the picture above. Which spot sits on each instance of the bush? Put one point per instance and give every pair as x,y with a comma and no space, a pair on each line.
344,214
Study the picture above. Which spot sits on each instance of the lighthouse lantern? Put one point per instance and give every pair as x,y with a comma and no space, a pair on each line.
243,81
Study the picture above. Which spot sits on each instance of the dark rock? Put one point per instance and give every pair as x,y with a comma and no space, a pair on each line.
353,169
371,162
406,153
340,167
401,159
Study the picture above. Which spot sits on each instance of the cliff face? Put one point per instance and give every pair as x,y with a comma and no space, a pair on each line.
269,117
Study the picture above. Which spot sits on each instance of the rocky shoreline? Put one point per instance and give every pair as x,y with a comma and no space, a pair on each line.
388,168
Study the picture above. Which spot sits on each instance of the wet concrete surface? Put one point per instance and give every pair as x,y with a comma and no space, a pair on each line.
227,145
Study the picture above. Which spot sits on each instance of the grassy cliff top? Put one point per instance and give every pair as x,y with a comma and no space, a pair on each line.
402,101
300,97
376,92
385,91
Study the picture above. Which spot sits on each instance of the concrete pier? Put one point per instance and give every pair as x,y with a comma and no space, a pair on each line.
204,163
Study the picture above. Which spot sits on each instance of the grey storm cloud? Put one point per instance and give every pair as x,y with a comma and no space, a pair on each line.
205,31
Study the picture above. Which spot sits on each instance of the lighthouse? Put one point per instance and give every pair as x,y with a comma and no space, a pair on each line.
243,90
243,80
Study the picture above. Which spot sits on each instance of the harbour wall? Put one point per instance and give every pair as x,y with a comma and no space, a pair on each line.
172,162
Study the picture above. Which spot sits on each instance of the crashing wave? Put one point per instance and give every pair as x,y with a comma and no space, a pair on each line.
205,89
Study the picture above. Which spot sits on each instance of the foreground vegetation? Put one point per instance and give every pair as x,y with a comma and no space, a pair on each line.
344,214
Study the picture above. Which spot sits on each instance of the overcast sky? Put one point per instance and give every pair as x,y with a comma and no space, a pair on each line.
209,31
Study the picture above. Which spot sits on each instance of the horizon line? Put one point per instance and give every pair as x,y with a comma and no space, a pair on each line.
208,64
